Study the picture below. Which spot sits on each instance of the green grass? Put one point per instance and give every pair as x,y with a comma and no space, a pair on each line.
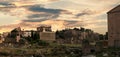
72,45
67,45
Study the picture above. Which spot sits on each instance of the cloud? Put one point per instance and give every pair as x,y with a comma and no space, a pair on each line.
6,4
85,12
39,13
43,16
16,3
33,11
56,24
38,8
33,20
58,13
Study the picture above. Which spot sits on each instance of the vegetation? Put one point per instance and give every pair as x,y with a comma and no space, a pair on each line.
39,48
42,43
76,32
47,51
68,33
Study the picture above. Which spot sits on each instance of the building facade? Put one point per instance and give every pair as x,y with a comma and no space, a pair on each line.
26,34
44,28
1,38
45,33
114,27
47,36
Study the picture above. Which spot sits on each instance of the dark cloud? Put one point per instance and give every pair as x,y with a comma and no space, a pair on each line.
34,20
39,13
40,17
6,4
43,16
71,22
36,15
43,13
83,13
38,8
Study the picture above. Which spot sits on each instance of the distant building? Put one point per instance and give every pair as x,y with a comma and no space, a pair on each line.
46,33
26,34
69,36
1,38
47,36
44,28
18,36
114,27
15,32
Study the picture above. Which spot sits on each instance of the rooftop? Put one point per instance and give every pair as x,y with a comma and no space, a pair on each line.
115,9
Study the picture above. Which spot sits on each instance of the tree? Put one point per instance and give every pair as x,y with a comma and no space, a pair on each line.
60,34
76,29
101,37
22,41
106,36
42,43
35,36
88,30
82,29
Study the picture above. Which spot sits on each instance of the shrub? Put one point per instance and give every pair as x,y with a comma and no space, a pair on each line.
4,53
42,43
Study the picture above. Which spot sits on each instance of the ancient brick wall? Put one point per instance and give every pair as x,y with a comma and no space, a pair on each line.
47,36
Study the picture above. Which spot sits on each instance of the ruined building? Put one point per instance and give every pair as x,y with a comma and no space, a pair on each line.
46,33
44,28
16,32
114,27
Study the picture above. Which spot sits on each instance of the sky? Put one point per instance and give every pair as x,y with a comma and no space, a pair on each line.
60,14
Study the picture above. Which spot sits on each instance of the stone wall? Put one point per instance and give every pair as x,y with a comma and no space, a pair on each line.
47,36
114,28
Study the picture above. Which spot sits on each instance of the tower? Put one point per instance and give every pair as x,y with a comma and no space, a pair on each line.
114,27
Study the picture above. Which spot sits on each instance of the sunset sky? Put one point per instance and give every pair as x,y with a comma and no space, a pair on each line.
60,14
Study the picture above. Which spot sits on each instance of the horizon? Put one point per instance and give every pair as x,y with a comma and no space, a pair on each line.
35,29
60,14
